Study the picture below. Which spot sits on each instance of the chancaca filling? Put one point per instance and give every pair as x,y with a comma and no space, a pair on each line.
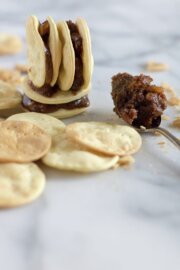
46,89
137,101
44,30
34,106
78,49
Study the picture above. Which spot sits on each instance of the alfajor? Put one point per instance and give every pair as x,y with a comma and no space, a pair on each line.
61,64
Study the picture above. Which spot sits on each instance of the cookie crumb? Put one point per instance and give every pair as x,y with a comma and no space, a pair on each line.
126,161
10,44
157,133
153,66
22,68
174,101
162,142
176,122
10,76
165,117
172,98
168,88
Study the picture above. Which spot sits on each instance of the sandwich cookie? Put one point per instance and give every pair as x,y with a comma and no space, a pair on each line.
77,61
63,104
66,94
44,53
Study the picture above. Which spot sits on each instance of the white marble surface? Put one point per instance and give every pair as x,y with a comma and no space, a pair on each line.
122,219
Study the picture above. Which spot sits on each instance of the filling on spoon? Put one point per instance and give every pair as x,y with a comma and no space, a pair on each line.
137,101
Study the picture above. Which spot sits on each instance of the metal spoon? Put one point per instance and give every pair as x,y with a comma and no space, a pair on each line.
162,131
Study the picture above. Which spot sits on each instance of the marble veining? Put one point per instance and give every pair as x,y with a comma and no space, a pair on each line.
121,219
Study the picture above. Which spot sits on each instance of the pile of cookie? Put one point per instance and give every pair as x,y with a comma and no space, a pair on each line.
10,78
79,147
60,67
10,45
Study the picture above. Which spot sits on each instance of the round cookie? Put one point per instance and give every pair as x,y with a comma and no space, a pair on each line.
9,96
62,113
49,124
105,138
11,76
58,98
36,53
67,69
22,142
8,112
87,57
67,155
20,184
9,44
55,47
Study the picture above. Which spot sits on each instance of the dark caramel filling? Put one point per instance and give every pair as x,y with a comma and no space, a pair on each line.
46,89
44,33
137,101
34,106
78,49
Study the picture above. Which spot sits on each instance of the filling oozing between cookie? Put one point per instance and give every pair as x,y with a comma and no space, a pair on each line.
46,89
44,30
34,106
137,101
78,49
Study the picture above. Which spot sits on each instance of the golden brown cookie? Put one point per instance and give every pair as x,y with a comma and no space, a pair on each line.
58,98
105,138
67,68
43,53
9,44
49,124
20,184
67,155
87,57
9,96
22,142
10,76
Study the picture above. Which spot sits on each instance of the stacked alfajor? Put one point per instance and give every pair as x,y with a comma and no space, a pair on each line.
60,67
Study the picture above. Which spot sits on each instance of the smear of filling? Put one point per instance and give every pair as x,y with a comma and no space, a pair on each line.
137,101
44,30
78,49
34,106
46,89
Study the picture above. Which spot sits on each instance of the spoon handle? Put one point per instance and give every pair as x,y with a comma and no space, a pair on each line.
169,136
